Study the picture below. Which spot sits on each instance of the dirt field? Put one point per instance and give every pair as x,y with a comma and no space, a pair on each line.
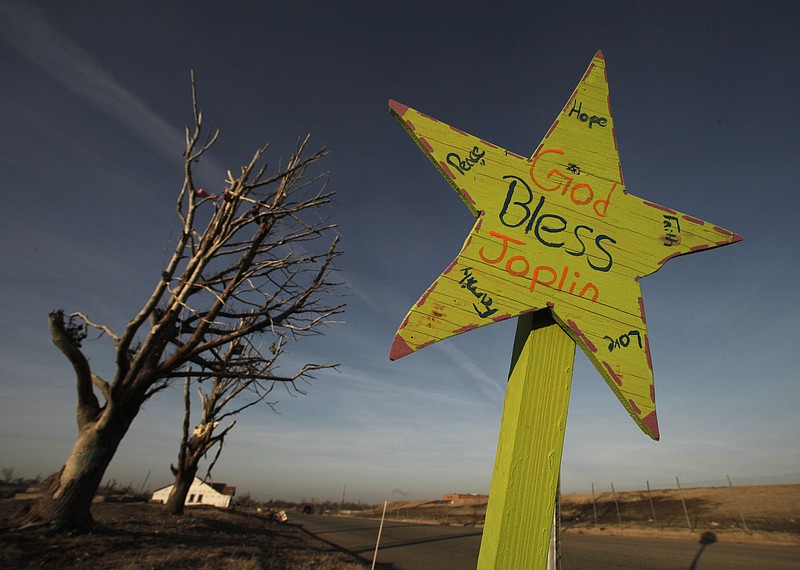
771,513
137,536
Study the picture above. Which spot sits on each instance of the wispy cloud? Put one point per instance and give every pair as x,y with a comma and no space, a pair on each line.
486,384
23,27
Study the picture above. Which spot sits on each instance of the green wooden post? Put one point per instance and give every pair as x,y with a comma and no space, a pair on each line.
519,515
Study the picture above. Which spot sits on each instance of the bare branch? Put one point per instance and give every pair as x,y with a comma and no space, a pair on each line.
88,406
101,328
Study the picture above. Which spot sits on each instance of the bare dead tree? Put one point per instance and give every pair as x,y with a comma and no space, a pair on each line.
235,387
247,262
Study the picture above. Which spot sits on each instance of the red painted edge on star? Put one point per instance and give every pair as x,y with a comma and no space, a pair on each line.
465,328
425,144
447,169
459,131
588,71
599,55
502,317
734,236
659,207
650,421
450,267
647,355
634,406
700,247
398,108
514,154
425,295
697,221
641,310
589,344
404,323
612,373
467,196
550,132
487,143
399,348
663,261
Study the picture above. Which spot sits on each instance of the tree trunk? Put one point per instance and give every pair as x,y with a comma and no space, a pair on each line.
66,504
177,498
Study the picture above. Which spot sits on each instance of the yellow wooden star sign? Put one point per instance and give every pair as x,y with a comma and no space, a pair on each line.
557,231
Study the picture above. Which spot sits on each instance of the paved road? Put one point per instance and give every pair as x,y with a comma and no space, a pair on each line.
407,546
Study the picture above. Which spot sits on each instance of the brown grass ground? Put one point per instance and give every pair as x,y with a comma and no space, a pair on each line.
771,513
137,536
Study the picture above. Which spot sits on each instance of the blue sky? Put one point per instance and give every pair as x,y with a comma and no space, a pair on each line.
93,102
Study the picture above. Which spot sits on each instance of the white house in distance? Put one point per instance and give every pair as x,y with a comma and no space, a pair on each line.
214,494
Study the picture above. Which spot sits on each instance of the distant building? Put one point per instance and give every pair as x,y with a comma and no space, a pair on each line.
214,494
465,497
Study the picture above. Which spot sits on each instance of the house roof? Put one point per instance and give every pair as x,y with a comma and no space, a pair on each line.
221,488
224,489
